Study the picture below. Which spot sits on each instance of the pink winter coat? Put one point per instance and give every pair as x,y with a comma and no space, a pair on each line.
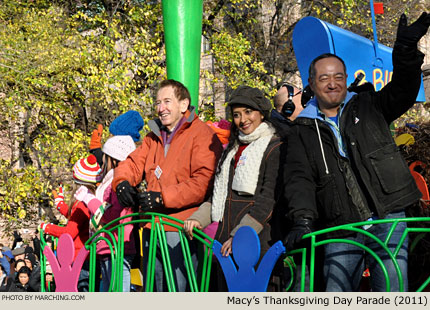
112,213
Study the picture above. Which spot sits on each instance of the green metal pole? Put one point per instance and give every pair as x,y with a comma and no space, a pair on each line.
182,35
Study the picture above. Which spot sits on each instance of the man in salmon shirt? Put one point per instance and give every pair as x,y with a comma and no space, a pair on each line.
177,159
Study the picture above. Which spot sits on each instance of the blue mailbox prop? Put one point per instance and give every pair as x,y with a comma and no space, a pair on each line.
313,37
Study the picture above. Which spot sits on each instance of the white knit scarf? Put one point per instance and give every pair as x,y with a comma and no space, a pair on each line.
107,180
247,170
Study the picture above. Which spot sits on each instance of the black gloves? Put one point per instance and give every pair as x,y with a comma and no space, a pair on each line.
300,228
17,236
126,194
410,35
362,88
148,201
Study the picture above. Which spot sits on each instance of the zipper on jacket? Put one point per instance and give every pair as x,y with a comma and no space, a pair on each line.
321,146
357,198
357,195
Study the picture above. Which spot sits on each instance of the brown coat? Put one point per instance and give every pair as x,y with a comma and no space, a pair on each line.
254,211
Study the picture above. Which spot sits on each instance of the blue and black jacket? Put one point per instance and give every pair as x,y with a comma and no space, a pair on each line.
355,171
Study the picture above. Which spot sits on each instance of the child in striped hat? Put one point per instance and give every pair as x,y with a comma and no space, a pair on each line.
87,173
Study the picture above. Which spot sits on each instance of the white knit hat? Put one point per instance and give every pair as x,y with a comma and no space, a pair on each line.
119,147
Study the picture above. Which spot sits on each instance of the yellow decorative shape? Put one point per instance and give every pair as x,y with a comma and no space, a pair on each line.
136,277
404,139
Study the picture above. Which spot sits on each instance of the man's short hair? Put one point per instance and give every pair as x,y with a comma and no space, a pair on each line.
181,92
312,71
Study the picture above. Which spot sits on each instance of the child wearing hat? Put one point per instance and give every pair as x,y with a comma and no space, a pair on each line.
127,124
87,173
115,149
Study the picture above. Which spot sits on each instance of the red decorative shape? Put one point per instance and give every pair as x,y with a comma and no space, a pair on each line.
417,164
92,159
421,184
378,7
366,273
414,168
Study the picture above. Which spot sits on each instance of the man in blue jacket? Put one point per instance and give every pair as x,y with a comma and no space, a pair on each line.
343,166
5,252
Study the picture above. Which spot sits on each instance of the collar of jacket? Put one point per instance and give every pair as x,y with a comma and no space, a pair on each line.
278,116
155,124
312,111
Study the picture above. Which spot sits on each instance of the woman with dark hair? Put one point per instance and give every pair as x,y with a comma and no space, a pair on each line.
22,280
34,266
245,181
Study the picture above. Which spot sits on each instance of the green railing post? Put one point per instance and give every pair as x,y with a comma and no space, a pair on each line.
120,260
188,262
312,271
42,261
92,271
357,227
165,255
157,236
